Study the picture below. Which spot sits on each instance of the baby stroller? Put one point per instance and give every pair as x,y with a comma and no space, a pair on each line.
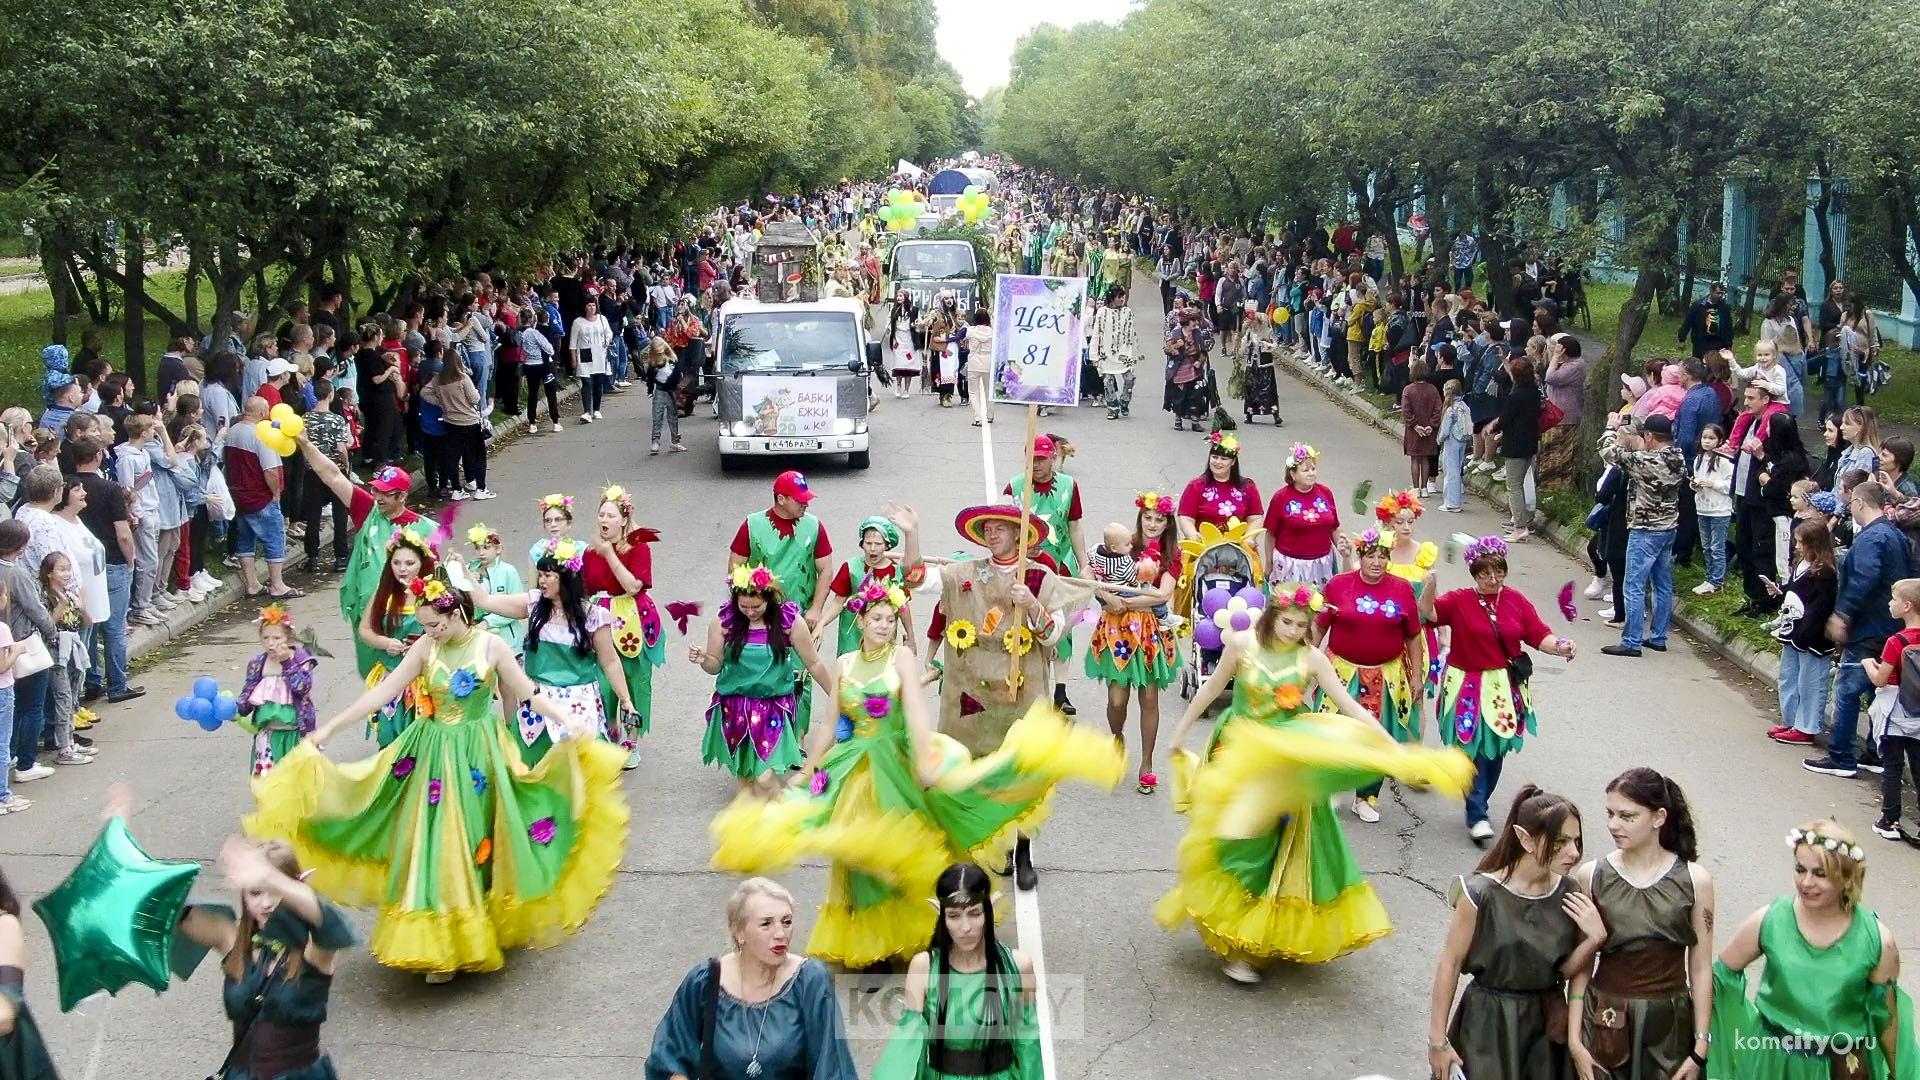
1260,387
1216,559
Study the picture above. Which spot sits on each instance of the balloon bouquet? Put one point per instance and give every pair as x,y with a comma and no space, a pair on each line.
208,705
903,209
1223,610
972,204
279,429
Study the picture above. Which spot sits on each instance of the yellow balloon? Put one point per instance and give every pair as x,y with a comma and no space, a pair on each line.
291,425
281,412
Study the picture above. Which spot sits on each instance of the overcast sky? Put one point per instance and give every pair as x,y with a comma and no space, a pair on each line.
977,36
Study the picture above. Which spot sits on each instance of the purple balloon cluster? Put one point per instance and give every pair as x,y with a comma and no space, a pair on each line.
1223,609
208,705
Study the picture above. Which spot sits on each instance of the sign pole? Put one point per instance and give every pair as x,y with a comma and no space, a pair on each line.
1026,509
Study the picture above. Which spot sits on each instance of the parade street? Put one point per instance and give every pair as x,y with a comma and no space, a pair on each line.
1128,999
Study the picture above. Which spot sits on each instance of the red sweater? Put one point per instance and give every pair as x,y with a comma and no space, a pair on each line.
1474,646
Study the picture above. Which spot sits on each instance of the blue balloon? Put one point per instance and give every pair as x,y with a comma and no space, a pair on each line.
211,723
206,686
1253,596
202,711
183,708
1215,599
225,707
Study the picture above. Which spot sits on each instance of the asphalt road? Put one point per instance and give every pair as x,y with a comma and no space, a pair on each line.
1135,1001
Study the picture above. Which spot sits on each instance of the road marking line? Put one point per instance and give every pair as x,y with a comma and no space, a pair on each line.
1026,918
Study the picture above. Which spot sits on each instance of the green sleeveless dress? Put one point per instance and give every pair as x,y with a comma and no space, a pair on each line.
751,727
956,1003
1818,1014
1643,1036
1500,1025
386,724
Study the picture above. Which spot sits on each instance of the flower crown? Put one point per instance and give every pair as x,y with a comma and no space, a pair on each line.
1154,501
1395,501
620,497
1300,454
435,592
753,579
569,554
1299,596
1819,842
482,534
1486,545
1371,539
557,501
1224,443
876,592
406,537
275,615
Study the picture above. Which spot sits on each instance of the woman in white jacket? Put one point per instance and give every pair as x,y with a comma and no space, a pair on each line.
591,338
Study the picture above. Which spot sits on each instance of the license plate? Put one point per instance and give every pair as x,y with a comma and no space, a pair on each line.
793,444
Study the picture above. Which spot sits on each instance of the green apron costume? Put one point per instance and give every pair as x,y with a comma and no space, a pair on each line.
956,1004
559,664
362,579
750,723
849,623
1053,507
791,560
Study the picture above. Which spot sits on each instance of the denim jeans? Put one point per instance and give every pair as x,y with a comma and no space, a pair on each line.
26,711
1796,364
1803,688
1486,776
666,413
1453,473
1649,562
480,366
1848,688
1713,541
113,633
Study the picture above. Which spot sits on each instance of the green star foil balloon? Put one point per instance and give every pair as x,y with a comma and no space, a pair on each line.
112,920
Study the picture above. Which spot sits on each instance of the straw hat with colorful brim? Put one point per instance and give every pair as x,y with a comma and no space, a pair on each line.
972,523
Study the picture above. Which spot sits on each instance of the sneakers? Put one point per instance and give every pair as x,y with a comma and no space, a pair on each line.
40,771
13,804
483,494
1500,473
1241,972
597,416
555,428
459,495
1480,832
1826,766
1705,588
439,978
1597,588
654,450
146,617
1367,809
165,600
585,418
205,582
679,448
1607,615
621,384
633,760
128,694
1888,829
73,757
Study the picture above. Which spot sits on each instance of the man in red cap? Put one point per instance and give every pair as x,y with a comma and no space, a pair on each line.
374,514
1056,502
993,634
788,541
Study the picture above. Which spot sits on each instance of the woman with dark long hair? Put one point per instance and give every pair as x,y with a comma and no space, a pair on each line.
1518,427
753,648
969,1007
569,650
903,341
1642,1012
388,624
1521,928
1221,493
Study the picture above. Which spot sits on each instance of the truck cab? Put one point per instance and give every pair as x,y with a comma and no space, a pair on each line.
793,379
925,267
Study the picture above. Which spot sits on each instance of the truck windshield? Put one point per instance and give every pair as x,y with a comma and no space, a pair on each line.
788,341
913,261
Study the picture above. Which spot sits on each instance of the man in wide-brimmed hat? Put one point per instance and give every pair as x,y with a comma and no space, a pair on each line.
994,631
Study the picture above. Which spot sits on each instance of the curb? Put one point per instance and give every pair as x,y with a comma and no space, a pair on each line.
143,639
1760,665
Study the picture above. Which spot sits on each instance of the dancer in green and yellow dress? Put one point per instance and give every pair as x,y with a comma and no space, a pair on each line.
1264,869
1829,1003
894,804
389,626
464,850
969,999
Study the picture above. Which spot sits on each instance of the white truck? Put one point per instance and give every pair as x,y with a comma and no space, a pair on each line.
793,379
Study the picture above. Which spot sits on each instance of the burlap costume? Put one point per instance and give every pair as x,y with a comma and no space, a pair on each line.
976,704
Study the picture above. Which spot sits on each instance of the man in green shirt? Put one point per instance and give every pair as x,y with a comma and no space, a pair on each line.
374,515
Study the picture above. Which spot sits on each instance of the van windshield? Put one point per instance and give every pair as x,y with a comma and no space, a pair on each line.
915,261
788,341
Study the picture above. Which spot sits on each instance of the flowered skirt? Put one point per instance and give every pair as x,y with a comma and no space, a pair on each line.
1385,692
1265,872
463,850
1315,572
887,838
1131,648
639,640
749,736
1483,713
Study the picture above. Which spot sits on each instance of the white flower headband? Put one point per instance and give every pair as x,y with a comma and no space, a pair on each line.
1796,837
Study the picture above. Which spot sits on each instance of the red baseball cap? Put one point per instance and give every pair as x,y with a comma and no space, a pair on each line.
793,484
391,479
1043,446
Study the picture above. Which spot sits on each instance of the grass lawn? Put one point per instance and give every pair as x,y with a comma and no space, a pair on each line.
26,326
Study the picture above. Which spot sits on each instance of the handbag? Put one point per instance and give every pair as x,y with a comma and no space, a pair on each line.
1519,664
32,657
1550,416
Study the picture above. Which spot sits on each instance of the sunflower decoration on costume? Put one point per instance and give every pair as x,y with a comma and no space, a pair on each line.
1018,640
962,635
1393,502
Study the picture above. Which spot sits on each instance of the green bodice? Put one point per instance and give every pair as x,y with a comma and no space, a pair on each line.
460,681
1820,991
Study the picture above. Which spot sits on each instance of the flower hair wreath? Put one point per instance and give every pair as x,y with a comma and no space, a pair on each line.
620,497
1299,596
406,537
1393,502
569,554
275,615
1486,545
557,501
1154,501
1819,842
1300,454
1371,539
434,592
482,534
1223,443
875,592
753,579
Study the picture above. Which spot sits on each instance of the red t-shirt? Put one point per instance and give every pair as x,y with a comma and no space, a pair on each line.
743,545
1167,551
1073,506
1302,524
842,583
598,577
268,392
1474,646
1206,499
362,504
1897,644
1369,624
1038,563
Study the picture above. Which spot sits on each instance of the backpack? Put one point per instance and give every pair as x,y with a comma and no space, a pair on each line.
1909,675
